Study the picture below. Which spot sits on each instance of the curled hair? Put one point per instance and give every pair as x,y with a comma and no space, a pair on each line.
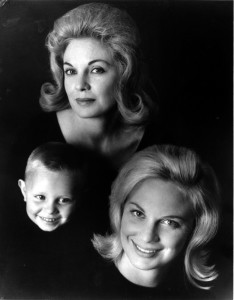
115,29
198,183
56,156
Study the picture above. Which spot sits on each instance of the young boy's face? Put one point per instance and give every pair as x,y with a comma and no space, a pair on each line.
49,197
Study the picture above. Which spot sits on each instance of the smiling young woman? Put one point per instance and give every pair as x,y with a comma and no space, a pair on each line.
155,226
164,210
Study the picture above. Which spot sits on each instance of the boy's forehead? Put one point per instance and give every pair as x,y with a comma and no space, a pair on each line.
43,176
37,169
35,166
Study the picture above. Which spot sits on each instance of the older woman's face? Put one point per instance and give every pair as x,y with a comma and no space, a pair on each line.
155,226
90,76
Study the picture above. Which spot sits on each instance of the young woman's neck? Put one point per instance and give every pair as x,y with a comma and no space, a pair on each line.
146,278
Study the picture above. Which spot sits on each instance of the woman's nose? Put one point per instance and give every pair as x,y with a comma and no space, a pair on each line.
150,233
82,82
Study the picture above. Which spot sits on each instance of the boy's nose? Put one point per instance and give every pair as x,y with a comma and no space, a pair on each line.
50,207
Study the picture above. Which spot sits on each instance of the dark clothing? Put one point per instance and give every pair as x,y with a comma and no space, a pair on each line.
59,264
109,283
45,265
45,128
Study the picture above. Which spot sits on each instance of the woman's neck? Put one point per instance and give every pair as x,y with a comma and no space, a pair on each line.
147,278
90,132
106,136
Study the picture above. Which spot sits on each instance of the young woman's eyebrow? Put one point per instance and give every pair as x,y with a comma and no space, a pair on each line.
137,205
175,217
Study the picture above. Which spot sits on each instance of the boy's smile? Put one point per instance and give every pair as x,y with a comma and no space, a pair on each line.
49,197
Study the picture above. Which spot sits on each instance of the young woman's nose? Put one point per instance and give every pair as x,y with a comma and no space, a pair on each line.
150,233
82,82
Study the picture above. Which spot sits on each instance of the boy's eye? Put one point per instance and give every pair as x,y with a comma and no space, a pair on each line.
63,201
98,70
171,223
137,213
69,72
40,197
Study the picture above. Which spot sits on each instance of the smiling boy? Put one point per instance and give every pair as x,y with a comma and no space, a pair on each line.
54,178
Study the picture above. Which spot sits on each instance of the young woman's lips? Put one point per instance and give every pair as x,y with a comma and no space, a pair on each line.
145,252
85,101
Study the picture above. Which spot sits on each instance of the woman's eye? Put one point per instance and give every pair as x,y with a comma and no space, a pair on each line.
40,197
137,213
69,72
63,201
171,223
98,70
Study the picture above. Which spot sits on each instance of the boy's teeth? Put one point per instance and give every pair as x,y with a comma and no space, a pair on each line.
48,220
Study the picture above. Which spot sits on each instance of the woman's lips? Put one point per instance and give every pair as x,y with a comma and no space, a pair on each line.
85,101
145,252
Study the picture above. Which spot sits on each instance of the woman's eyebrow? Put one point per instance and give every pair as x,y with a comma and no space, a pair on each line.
137,205
99,60
67,63
175,217
91,62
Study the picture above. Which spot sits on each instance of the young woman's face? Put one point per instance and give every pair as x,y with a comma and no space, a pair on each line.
49,198
155,226
90,76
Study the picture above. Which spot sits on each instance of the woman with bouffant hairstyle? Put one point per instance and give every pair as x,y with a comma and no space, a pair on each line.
116,30
99,81
164,208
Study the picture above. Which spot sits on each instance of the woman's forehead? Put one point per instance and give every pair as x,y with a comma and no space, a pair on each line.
161,198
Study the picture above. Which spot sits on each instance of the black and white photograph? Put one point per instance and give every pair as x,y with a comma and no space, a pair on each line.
116,149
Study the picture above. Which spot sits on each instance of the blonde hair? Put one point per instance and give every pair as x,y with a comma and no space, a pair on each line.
115,29
196,179
57,157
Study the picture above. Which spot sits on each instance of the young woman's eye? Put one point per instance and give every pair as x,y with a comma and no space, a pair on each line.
98,70
170,223
137,213
63,201
69,72
40,197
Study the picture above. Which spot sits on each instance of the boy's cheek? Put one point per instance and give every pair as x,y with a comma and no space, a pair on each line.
32,206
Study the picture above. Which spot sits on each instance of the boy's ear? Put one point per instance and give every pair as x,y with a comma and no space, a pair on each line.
22,187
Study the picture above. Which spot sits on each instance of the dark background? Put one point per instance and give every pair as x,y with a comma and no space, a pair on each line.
188,48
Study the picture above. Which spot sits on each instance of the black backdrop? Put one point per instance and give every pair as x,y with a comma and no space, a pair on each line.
188,48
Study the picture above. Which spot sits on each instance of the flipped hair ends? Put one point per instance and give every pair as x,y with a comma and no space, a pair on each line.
197,181
117,30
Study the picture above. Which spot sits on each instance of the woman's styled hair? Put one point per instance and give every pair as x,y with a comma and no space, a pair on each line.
198,183
116,30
